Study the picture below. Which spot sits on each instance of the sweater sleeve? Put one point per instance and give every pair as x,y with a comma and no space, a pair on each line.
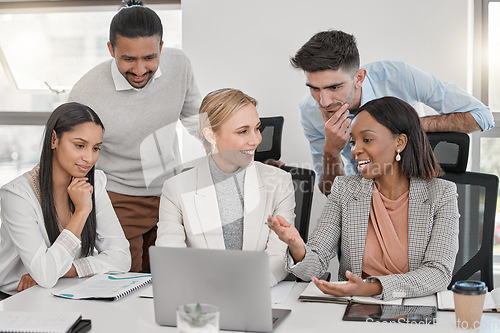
192,100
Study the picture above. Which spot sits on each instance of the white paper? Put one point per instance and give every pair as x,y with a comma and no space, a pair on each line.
37,321
424,300
446,301
313,291
280,292
147,291
495,296
105,286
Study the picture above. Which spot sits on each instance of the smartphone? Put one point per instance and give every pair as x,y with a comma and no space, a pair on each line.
409,314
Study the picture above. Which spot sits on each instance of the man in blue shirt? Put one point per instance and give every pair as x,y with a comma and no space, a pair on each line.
338,87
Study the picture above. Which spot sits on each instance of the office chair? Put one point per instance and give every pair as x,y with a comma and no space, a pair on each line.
270,147
451,150
477,201
303,179
303,184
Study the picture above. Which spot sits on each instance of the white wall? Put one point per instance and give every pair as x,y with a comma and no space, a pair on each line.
247,44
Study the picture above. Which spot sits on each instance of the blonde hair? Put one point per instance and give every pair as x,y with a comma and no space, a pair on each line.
218,106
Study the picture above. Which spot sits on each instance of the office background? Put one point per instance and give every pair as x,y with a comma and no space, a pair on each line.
247,45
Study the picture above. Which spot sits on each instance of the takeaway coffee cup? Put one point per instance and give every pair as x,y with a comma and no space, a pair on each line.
469,300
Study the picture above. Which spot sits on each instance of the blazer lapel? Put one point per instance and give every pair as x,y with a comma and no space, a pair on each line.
419,222
358,214
207,209
255,198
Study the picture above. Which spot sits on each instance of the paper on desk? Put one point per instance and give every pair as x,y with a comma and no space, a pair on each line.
279,293
12,321
313,294
147,292
106,286
425,300
445,300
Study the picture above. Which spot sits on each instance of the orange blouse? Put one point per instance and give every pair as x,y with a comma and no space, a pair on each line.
386,247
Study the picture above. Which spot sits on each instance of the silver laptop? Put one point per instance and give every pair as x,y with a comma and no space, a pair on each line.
235,281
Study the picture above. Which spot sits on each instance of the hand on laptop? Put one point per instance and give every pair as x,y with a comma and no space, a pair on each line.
356,286
288,234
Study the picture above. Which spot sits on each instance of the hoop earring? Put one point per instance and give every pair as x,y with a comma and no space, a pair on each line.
398,157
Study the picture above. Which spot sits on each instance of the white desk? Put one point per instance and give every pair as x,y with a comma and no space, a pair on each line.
136,314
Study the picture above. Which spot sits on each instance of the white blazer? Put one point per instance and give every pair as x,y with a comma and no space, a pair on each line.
25,246
189,213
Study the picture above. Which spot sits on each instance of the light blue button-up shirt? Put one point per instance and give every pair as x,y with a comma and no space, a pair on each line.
398,79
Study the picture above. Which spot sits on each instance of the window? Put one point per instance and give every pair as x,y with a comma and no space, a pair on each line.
493,72
485,148
55,49
44,54
19,150
490,163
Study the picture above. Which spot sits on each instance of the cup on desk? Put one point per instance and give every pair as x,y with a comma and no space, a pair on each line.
198,318
469,300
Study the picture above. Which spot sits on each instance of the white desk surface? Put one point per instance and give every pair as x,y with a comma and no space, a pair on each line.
136,314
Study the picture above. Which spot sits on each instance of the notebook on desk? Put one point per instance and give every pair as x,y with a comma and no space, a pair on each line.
235,281
313,294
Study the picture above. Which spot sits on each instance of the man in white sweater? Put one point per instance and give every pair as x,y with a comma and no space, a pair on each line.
140,95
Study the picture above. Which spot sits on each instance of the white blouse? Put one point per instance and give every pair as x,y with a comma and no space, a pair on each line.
25,246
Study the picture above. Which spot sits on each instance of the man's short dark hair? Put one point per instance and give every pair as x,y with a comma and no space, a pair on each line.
134,20
331,49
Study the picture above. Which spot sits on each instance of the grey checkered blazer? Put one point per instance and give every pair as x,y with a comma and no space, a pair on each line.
432,236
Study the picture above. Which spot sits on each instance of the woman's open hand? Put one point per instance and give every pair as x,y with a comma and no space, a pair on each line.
355,286
288,234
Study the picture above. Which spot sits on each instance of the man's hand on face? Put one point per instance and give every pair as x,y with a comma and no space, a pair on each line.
337,129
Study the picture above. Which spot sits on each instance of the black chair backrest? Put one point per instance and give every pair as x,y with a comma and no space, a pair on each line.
303,183
270,147
477,201
451,150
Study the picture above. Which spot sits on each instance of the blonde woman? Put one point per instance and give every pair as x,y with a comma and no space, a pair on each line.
223,203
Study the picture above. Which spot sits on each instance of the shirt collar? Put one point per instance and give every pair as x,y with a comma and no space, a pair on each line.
121,82
367,93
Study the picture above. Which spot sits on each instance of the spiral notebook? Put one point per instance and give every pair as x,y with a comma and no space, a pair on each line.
34,322
106,286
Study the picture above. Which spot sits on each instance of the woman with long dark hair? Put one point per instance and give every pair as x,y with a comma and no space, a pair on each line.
57,219
395,222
